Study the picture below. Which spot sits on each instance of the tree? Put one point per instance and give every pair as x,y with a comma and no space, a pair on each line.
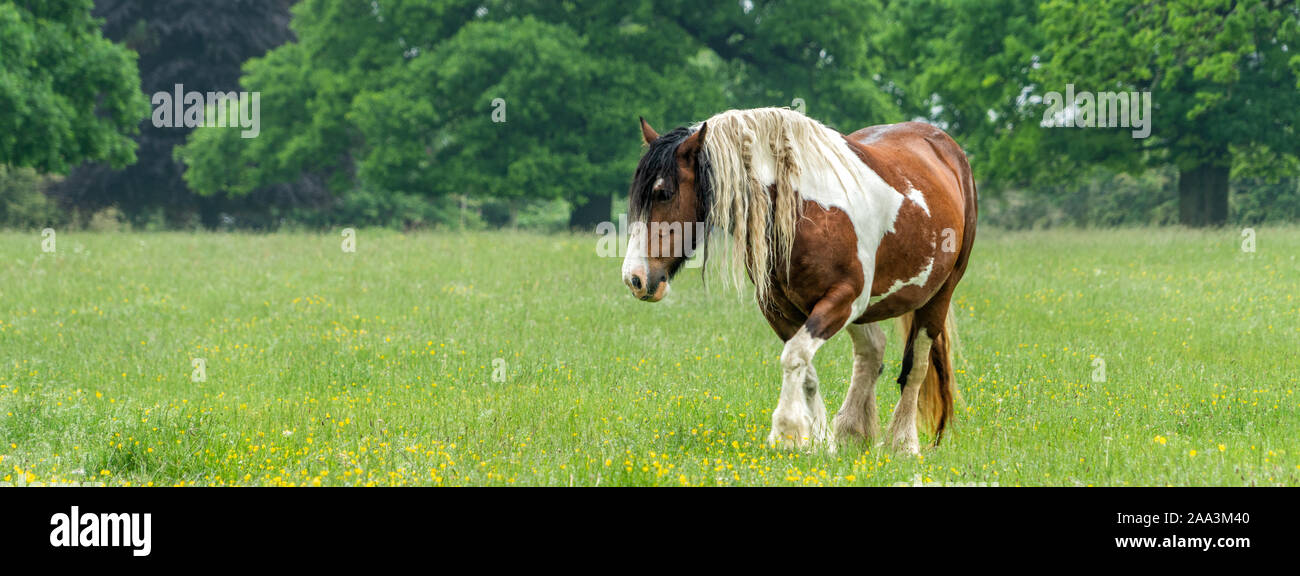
830,58
400,97
460,120
1222,75
198,44
965,65
67,94
687,59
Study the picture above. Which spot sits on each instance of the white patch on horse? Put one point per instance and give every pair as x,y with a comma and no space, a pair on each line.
659,184
871,204
763,164
637,258
878,133
916,196
919,280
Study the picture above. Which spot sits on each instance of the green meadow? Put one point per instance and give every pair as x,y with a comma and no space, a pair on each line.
1129,357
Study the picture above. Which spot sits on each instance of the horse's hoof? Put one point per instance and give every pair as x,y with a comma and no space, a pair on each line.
790,432
906,446
783,441
850,432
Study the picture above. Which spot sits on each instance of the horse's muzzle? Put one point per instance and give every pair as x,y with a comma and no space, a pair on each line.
646,290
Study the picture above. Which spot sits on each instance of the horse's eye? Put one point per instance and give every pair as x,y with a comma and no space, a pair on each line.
660,192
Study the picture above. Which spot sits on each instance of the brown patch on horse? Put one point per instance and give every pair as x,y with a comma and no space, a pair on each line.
830,269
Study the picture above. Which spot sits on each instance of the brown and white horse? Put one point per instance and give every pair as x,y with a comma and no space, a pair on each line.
837,233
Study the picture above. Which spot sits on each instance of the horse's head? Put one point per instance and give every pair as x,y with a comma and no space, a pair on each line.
668,198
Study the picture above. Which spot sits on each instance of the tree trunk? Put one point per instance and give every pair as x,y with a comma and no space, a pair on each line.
463,201
209,212
595,210
1203,196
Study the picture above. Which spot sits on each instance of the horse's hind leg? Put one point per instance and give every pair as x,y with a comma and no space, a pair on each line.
857,419
916,364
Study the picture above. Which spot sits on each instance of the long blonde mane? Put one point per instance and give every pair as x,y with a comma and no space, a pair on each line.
751,151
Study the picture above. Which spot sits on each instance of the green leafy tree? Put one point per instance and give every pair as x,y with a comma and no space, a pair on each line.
831,56
67,94
1222,75
965,65
500,109
197,43
398,96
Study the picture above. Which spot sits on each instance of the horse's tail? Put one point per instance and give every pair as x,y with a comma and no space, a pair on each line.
938,394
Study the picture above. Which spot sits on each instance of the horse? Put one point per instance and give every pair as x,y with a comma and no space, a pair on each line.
837,233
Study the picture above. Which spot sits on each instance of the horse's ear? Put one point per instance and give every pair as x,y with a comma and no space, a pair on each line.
647,133
691,145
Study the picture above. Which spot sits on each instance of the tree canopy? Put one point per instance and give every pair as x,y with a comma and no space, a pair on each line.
198,44
67,94
393,111
1223,77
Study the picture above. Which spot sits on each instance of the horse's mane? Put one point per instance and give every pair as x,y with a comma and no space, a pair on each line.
746,149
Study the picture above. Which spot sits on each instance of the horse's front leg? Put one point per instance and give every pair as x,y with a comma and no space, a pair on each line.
794,421
800,415
816,408
857,419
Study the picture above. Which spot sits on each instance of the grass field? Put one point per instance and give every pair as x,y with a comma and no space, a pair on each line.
500,358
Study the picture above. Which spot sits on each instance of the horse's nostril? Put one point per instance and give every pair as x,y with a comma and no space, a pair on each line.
636,282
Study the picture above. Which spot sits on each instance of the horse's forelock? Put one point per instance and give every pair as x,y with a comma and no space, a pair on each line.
659,161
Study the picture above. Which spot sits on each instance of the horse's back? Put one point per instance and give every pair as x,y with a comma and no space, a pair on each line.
930,241
917,150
